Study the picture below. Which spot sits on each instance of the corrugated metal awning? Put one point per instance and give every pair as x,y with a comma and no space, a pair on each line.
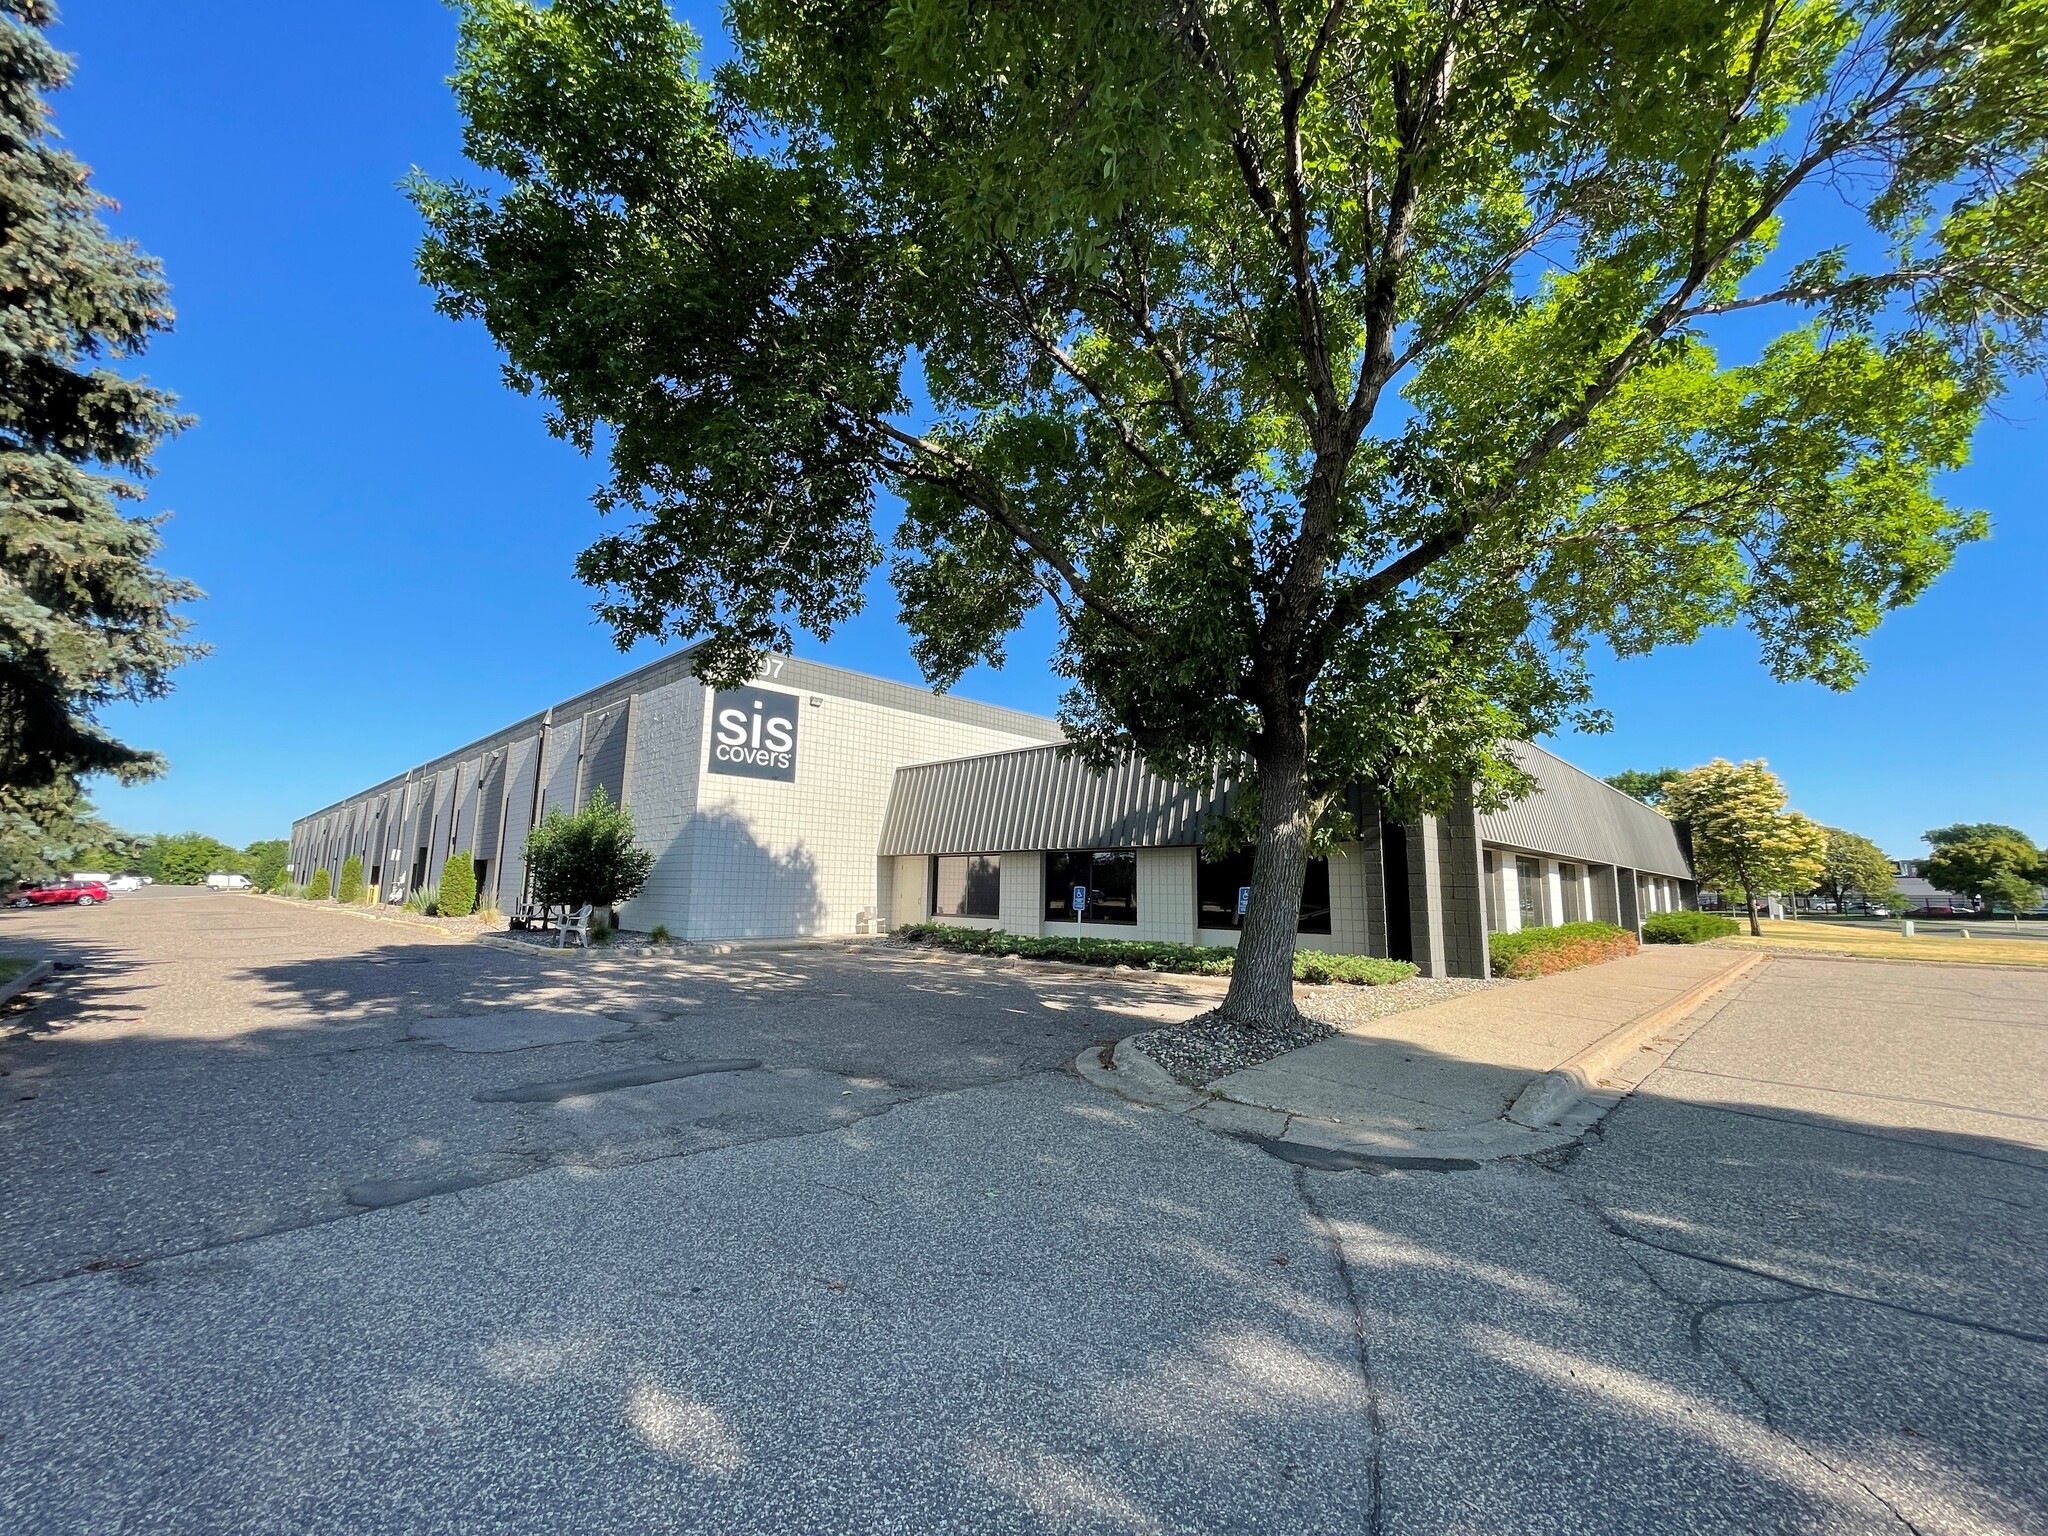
1573,815
1036,797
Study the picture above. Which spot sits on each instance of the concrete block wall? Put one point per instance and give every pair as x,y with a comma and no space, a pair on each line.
776,859
1166,896
1462,901
1021,893
661,789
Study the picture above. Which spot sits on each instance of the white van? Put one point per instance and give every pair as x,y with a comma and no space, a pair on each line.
220,882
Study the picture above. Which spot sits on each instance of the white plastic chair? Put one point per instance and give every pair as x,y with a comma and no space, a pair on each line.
578,923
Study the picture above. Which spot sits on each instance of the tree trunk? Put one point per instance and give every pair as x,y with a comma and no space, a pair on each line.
1261,995
1756,929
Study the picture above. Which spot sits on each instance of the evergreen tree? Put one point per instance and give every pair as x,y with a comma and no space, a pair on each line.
351,887
52,829
85,619
458,886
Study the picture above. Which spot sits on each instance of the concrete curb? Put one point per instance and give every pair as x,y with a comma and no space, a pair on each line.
1570,1100
1549,1101
41,971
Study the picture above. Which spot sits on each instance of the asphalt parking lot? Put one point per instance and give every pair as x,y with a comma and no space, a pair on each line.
313,1222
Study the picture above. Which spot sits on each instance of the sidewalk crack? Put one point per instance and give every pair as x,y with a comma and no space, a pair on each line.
1700,1313
1374,1419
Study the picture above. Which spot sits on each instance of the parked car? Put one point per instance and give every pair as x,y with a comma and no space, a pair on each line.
224,882
57,893
1941,909
121,883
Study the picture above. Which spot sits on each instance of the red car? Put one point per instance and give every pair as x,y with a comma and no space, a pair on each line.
54,893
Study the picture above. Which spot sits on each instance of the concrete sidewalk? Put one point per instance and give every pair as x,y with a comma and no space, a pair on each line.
1499,1073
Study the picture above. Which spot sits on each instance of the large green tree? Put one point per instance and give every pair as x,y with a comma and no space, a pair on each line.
1644,784
1992,862
85,618
1339,370
1854,865
264,861
187,858
1743,838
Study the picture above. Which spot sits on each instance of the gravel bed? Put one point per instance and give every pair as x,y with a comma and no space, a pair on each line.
1204,1048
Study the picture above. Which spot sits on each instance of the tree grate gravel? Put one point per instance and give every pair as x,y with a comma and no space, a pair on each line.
1201,1049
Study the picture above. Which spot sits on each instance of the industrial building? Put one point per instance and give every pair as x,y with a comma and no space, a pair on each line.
817,802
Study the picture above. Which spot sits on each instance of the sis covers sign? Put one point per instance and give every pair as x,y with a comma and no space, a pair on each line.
753,733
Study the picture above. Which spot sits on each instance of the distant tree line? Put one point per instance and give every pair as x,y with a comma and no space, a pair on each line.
1746,843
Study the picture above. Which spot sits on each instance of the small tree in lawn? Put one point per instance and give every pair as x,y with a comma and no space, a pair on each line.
317,889
350,888
1743,838
1338,373
458,886
1854,865
589,857
1991,862
2014,891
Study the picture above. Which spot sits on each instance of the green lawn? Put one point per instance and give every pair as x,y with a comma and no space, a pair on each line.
1984,947
12,966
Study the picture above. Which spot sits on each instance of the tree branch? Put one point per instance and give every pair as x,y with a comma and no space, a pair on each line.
967,480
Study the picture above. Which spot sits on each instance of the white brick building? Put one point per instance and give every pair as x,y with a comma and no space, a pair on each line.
817,802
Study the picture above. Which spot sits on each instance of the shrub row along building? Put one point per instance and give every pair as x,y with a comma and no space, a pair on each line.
816,802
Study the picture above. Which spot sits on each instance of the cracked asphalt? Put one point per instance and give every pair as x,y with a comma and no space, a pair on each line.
309,1222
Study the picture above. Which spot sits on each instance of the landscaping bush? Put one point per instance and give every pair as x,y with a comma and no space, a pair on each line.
318,888
1687,927
1545,951
589,857
351,887
458,886
426,901
1185,959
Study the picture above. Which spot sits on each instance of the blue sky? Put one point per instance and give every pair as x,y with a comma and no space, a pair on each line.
385,532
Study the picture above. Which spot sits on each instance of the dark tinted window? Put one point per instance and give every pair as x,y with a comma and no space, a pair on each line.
1218,883
966,885
1108,883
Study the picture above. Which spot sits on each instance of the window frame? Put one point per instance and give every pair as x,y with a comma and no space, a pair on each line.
1059,907
1318,873
995,869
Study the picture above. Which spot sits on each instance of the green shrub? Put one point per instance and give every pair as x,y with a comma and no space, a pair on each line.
1545,951
600,930
286,889
1186,959
589,857
1318,969
661,935
351,887
458,887
1687,927
426,901
321,884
